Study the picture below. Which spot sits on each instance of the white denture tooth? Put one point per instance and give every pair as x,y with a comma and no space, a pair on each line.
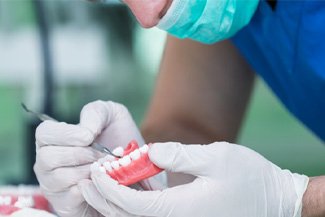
109,158
124,161
119,151
102,169
101,161
5,200
24,202
106,158
115,165
135,155
94,166
108,166
144,149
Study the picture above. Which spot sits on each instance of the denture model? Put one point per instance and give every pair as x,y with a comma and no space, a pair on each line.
133,166
13,199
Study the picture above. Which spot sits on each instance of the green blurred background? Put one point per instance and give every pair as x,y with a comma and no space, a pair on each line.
99,52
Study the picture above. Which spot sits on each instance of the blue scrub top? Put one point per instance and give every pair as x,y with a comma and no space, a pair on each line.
286,47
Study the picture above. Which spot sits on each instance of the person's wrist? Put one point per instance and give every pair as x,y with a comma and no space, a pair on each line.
313,203
290,188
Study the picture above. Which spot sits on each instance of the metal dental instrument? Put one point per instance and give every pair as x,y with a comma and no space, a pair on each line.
44,117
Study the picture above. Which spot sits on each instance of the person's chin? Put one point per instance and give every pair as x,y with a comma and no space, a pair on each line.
148,12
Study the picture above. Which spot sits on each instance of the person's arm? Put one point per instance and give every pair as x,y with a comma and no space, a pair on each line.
314,198
201,93
201,96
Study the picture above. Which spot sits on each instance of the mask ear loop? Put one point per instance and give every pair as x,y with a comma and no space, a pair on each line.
108,1
165,9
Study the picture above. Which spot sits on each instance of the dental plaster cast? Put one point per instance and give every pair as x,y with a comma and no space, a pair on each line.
13,199
29,212
133,166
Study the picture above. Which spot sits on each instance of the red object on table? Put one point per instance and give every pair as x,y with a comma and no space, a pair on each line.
39,202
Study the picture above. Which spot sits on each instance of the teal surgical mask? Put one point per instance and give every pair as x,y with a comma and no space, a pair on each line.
207,21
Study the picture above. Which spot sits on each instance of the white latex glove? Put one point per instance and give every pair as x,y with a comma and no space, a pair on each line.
231,181
95,199
64,156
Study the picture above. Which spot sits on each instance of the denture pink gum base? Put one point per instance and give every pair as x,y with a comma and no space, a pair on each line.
138,168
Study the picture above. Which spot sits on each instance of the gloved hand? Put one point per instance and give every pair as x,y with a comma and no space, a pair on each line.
63,155
231,181
103,206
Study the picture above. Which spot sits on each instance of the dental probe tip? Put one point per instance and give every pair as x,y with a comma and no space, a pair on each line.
103,149
24,107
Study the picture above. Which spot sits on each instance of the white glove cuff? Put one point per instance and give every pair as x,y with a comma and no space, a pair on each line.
293,187
300,184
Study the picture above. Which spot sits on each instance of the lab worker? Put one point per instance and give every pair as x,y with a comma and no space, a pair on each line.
205,82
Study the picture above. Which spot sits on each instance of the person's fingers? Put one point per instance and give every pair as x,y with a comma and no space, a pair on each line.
61,178
143,203
176,157
112,121
59,201
94,116
51,157
157,182
93,198
99,203
62,134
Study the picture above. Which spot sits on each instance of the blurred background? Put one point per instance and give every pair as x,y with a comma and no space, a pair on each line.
57,55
